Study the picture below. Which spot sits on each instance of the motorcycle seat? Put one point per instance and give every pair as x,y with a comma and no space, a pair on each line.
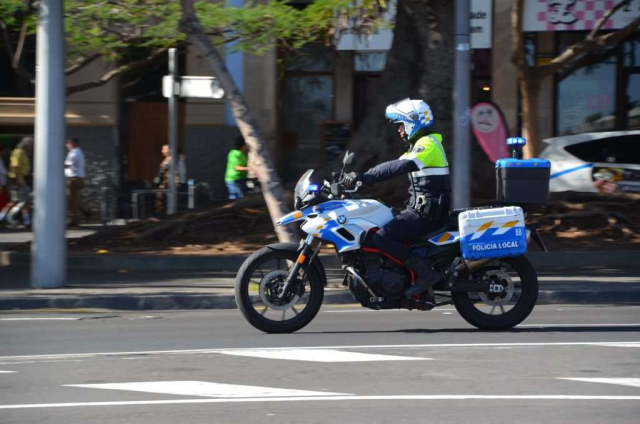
450,225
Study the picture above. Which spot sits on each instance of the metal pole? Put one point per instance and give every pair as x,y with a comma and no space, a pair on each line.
461,100
172,198
49,248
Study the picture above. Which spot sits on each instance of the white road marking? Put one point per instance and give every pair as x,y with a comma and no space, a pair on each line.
325,399
622,344
205,388
318,355
633,382
40,319
398,346
626,278
7,372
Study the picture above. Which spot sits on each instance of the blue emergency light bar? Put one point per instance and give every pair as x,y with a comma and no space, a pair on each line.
314,188
516,141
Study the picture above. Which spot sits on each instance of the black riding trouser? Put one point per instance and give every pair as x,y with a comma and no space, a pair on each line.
408,226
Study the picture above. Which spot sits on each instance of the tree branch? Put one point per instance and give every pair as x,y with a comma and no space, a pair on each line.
20,47
116,72
564,60
606,17
81,63
15,65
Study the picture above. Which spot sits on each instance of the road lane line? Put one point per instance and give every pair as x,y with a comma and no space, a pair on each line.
318,355
7,372
633,382
206,389
326,399
40,319
398,346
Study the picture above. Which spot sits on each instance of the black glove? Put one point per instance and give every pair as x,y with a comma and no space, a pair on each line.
351,179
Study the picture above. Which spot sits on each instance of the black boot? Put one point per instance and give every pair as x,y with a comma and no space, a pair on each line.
426,277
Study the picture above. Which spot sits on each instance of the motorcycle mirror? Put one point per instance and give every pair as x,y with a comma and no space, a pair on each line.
348,158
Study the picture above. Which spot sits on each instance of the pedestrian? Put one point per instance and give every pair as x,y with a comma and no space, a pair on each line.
164,176
75,171
4,176
19,171
237,168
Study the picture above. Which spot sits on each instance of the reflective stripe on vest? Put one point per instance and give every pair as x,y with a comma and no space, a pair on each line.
426,172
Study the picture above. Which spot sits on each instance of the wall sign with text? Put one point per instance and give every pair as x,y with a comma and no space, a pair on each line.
576,15
481,18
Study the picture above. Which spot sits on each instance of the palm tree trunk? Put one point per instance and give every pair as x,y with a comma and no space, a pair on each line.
247,124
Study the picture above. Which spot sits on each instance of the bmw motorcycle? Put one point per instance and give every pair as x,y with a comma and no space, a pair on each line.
479,254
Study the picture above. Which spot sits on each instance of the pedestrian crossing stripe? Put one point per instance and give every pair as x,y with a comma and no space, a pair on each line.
205,389
318,355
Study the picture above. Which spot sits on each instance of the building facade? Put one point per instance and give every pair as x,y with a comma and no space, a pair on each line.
308,105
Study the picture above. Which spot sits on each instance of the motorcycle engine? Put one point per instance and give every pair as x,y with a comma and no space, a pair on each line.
383,275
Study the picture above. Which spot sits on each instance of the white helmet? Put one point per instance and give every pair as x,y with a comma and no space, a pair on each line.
414,114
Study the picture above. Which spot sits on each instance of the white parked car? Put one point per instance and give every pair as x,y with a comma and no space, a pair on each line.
607,162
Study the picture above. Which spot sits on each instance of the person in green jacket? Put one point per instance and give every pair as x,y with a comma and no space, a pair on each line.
237,168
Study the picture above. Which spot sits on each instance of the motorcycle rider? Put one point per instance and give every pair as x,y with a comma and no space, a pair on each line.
428,207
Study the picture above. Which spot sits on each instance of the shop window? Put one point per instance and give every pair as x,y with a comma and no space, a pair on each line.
586,99
632,94
631,53
308,102
369,61
311,58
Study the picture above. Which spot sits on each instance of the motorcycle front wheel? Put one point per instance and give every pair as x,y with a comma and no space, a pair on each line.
258,286
511,302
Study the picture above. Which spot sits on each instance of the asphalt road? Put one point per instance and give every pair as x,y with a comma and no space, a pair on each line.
564,364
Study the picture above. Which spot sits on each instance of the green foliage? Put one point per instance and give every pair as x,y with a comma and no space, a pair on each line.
110,27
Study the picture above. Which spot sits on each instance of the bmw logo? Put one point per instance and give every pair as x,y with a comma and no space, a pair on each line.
342,219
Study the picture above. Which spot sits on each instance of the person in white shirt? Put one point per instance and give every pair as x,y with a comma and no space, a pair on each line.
75,171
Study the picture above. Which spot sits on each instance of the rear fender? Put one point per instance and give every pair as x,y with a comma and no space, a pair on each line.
294,247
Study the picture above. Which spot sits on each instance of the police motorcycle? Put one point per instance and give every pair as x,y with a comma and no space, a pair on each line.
479,254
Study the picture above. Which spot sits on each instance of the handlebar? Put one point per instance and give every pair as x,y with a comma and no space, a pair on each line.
358,185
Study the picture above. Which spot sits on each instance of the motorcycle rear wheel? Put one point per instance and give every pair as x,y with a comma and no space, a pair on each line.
256,290
470,305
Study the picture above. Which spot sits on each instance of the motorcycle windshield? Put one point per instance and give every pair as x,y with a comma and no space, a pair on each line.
302,188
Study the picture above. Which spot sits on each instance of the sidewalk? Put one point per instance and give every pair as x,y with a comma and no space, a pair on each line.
133,283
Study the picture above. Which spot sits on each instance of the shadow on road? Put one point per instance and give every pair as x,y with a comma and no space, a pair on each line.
598,329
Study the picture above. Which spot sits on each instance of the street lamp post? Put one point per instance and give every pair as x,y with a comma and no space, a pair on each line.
49,249
461,100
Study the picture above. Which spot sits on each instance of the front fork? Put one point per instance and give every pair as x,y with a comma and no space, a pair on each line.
304,253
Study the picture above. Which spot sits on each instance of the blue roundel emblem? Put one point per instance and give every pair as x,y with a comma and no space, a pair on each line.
342,219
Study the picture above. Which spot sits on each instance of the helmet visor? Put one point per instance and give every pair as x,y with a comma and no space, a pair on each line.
402,111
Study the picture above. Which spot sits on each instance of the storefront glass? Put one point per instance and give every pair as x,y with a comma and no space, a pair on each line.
600,96
369,61
308,102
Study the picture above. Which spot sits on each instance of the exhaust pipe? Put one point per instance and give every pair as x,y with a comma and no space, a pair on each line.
351,270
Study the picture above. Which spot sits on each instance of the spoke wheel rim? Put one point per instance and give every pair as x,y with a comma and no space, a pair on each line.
498,278
271,286
261,291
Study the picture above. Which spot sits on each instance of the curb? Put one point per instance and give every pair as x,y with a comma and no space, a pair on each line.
227,301
107,262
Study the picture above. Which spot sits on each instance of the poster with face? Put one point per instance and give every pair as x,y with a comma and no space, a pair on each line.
490,130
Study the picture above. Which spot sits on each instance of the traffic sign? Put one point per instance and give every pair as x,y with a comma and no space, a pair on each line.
198,87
